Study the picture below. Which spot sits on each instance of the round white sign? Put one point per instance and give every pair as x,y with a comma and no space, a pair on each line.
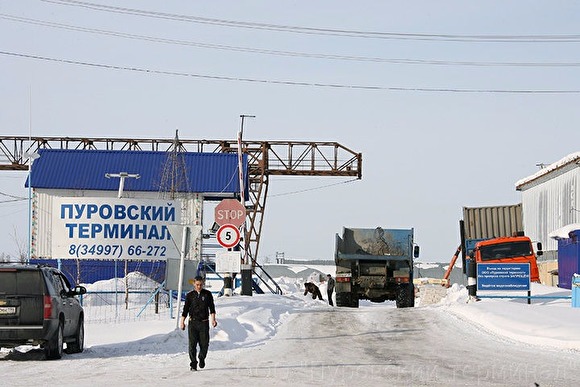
228,235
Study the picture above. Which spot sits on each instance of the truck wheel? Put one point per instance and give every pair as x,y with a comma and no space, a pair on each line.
406,296
353,302
346,299
79,339
53,348
341,299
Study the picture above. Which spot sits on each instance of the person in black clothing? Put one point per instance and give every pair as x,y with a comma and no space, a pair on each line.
309,287
329,288
200,307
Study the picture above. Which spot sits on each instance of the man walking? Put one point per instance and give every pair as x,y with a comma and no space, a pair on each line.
201,309
329,288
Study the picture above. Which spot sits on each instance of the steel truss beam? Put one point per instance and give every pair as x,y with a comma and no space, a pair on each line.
265,159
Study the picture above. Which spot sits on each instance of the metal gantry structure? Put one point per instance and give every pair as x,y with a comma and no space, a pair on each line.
265,159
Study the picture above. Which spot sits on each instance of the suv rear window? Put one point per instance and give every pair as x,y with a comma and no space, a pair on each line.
22,282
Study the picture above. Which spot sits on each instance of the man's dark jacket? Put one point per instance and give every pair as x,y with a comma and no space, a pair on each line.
198,305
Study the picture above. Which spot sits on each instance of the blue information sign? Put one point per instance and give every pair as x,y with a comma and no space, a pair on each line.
503,276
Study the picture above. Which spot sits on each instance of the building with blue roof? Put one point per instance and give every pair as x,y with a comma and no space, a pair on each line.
77,201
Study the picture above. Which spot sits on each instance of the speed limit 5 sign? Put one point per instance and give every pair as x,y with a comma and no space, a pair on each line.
228,235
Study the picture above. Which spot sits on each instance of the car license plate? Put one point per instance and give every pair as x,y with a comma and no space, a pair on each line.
4,310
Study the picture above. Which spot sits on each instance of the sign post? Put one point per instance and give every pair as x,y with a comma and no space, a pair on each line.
184,244
230,214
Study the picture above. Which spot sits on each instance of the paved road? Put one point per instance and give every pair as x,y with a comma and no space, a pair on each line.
373,345
405,347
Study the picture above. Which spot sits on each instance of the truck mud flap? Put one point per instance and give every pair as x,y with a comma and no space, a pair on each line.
405,296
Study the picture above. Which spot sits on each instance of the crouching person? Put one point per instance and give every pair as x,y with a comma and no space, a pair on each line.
309,287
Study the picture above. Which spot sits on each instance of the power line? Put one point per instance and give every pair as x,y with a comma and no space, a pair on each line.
568,38
312,189
284,53
12,200
17,198
291,83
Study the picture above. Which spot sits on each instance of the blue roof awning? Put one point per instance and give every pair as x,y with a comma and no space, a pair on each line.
207,173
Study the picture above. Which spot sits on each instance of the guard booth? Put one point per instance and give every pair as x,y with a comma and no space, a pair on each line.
568,255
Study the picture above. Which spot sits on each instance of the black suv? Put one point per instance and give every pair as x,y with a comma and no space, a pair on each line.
38,307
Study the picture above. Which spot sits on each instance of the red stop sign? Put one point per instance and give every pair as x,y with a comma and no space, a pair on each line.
230,211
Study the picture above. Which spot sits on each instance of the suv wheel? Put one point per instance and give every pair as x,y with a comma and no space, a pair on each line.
79,339
53,349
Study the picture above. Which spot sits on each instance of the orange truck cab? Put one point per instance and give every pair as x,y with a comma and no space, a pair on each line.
515,249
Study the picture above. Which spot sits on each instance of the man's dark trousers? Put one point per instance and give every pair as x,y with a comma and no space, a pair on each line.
198,332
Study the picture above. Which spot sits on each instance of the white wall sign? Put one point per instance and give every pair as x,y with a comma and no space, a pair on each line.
109,228
228,261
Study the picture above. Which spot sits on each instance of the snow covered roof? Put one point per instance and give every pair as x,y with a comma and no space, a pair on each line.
571,158
564,232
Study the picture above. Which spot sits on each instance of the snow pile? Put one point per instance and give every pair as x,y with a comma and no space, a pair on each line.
288,285
140,286
243,321
549,322
245,325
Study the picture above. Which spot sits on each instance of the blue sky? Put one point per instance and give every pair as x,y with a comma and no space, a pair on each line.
487,91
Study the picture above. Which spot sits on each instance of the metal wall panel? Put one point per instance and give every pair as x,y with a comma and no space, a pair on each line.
550,205
492,222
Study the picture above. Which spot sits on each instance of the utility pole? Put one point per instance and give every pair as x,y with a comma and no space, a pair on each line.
246,266
122,176
240,153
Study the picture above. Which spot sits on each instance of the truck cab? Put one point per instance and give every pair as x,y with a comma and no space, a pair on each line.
514,249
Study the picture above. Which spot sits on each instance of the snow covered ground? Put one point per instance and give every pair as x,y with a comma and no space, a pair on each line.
246,323
545,322
250,321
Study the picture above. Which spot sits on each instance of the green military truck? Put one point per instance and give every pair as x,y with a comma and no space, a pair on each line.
376,265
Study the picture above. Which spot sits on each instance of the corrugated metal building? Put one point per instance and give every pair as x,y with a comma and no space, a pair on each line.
191,178
492,221
551,200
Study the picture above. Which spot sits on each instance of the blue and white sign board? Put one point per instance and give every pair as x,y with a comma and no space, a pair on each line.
503,276
110,228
